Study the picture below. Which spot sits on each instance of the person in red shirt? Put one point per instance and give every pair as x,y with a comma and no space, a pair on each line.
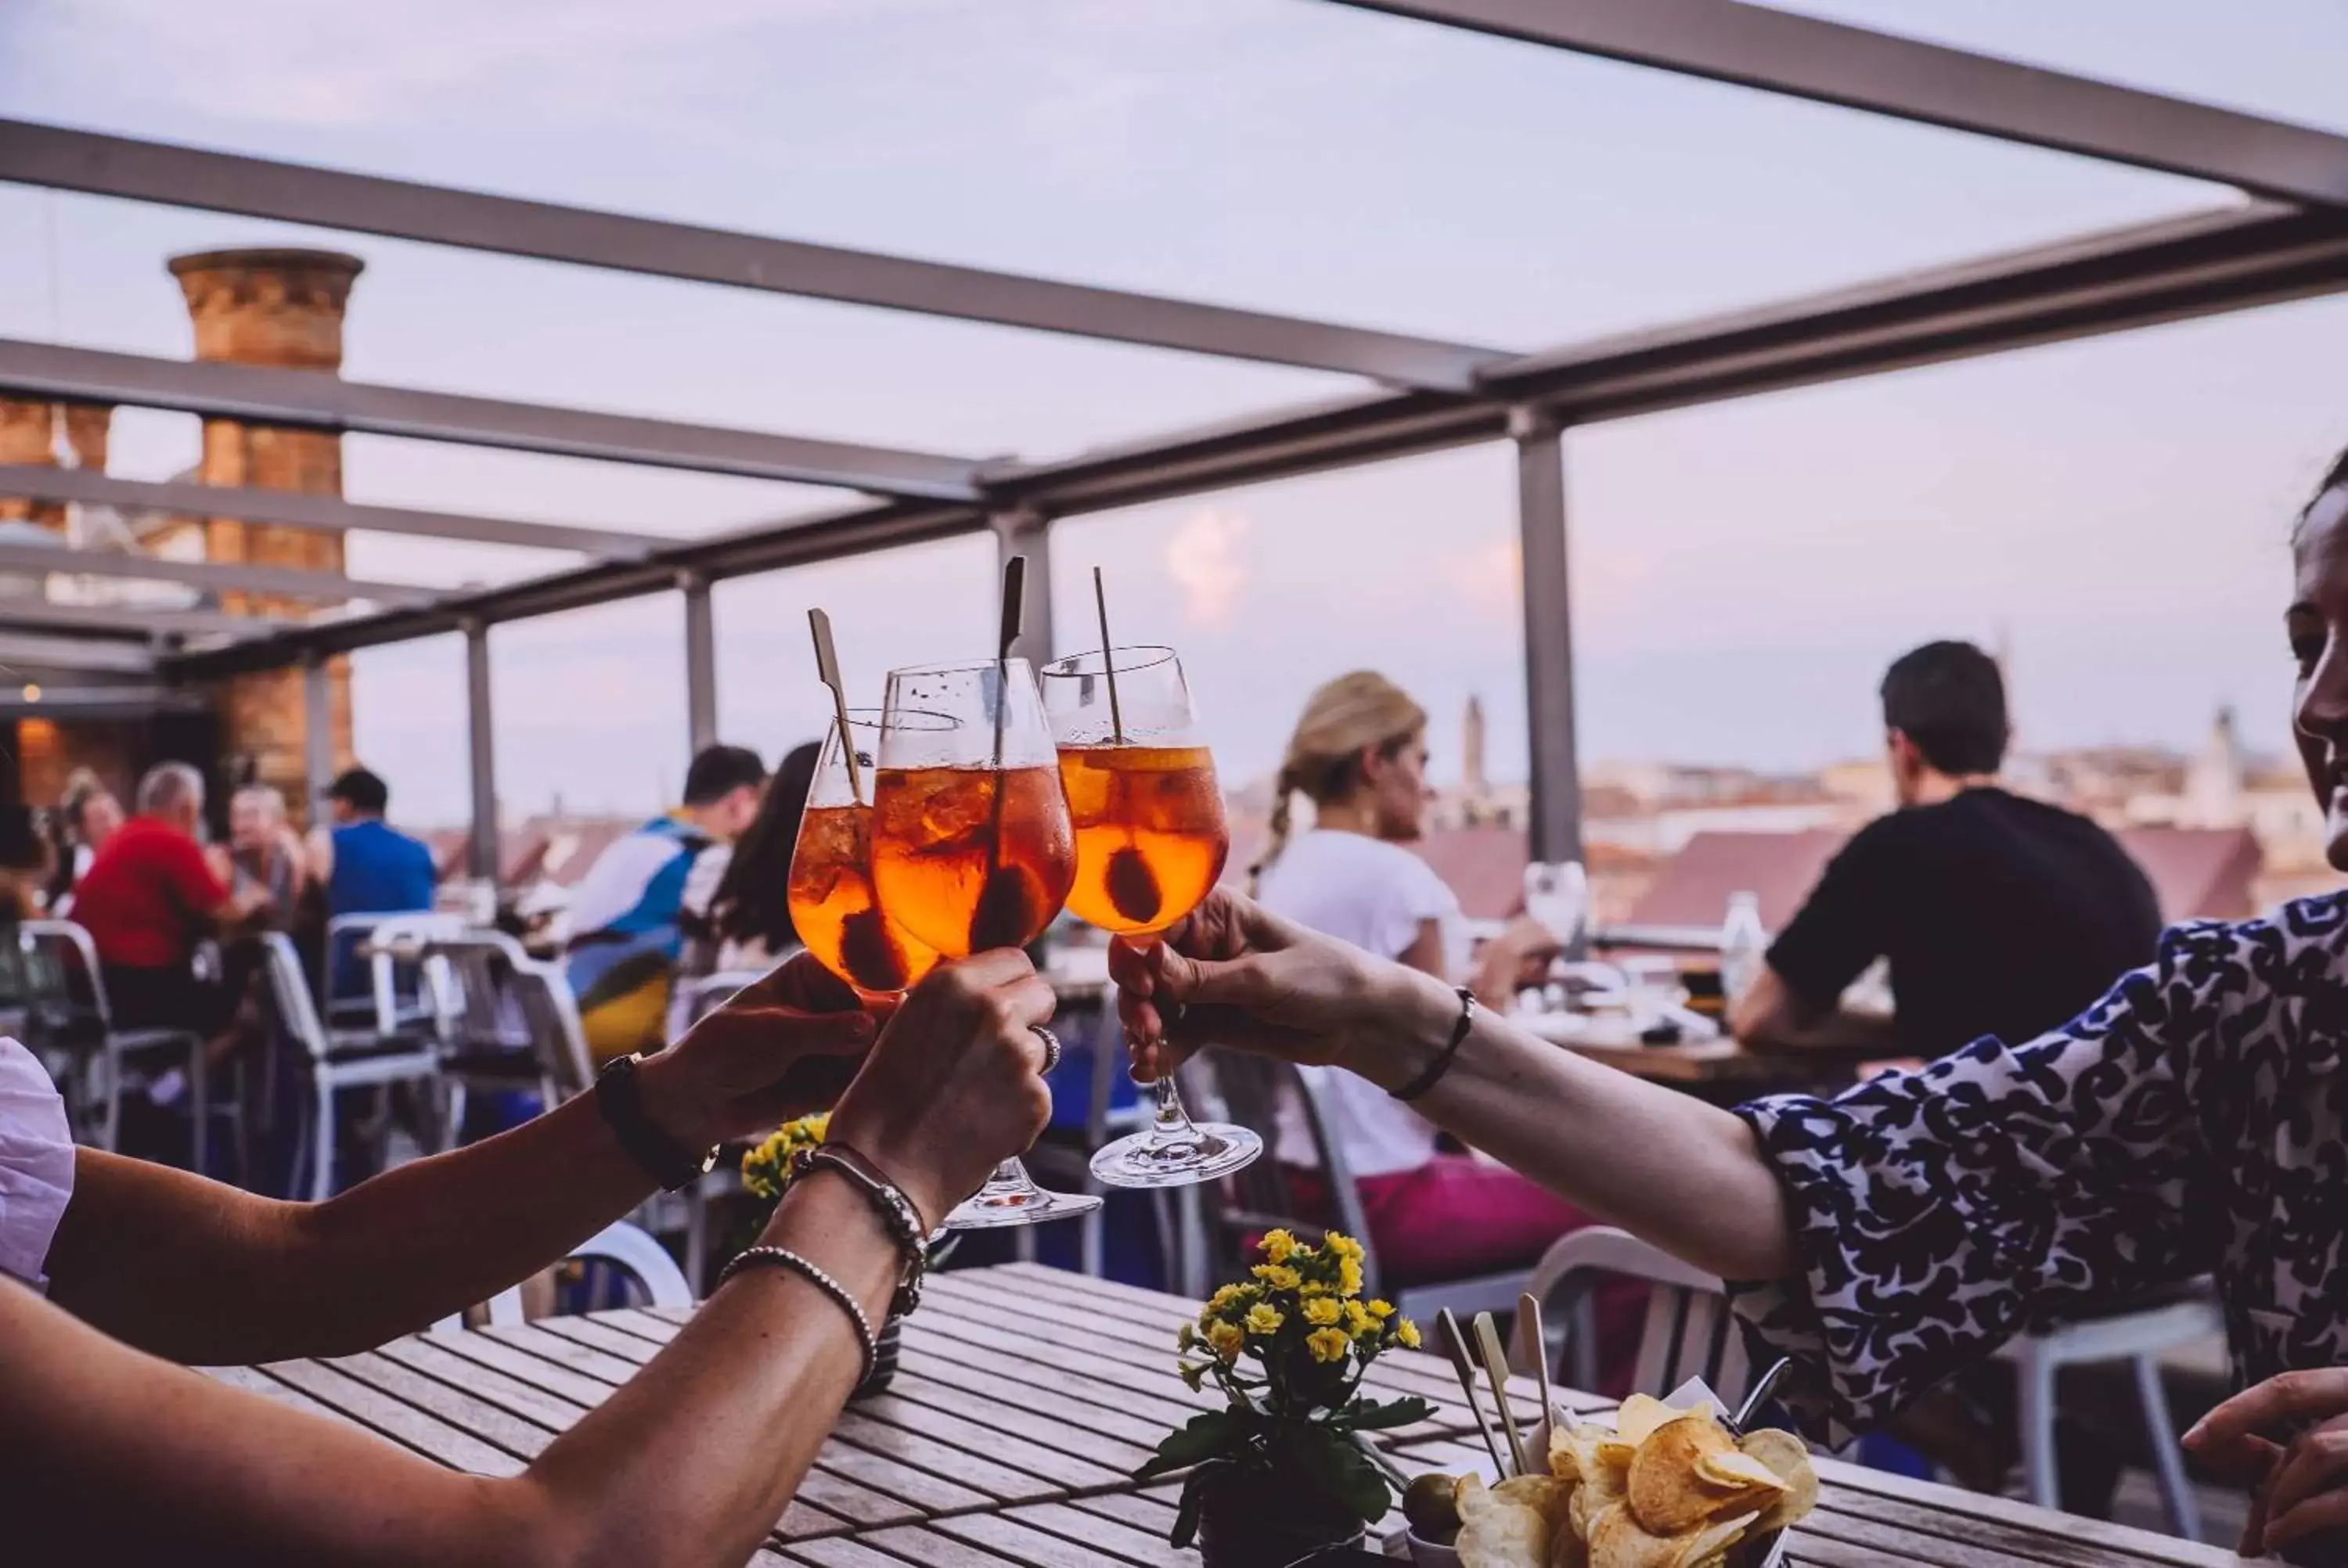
147,901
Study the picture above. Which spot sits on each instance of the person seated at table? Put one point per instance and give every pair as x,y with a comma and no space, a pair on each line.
263,851
626,913
2192,1120
88,813
150,899
117,1455
735,913
1359,754
1998,915
368,867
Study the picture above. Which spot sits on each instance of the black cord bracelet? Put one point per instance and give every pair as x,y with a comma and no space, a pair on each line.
1442,1058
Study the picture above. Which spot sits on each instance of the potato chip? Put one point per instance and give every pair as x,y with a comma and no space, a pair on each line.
1714,1540
1637,1418
1666,1494
1786,1456
1502,1534
1738,1471
1546,1494
1616,1541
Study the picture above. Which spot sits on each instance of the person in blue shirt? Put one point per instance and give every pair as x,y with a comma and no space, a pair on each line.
627,913
367,866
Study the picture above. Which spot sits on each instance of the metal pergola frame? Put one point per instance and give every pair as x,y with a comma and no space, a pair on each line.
2288,241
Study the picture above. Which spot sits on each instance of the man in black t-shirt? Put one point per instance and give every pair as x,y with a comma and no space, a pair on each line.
1998,915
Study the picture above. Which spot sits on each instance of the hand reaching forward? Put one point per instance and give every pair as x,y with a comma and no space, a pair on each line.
2288,1437
1231,974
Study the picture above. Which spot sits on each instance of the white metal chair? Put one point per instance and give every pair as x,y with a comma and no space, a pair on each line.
1689,1332
688,1212
334,1060
1259,1197
506,1021
83,1024
622,1244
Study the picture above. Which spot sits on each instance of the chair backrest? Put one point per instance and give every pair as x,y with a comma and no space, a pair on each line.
619,1242
502,987
1261,1196
296,1011
701,995
1690,1331
58,956
394,944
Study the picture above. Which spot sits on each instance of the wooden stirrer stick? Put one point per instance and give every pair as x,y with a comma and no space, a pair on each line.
1108,660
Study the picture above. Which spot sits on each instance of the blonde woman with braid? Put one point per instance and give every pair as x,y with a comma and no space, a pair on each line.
1359,754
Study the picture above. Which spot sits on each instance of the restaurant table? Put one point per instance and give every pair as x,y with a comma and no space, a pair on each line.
1024,1398
1722,1065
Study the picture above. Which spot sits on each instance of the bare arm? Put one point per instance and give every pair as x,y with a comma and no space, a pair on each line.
1685,1175
200,1271
1772,1016
689,1465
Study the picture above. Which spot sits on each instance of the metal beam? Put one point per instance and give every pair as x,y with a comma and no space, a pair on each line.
71,702
481,843
700,662
22,655
64,159
218,577
297,509
1554,819
22,609
306,399
1804,56
2184,268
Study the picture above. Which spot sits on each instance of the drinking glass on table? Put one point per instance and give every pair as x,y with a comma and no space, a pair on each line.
971,849
1151,843
1557,894
833,907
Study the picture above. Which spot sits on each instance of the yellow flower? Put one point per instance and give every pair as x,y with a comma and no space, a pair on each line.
1406,1335
1224,1297
1358,1320
1312,1287
1382,1311
1328,1344
1278,1246
1263,1320
1341,1246
1185,1336
1321,1311
1194,1375
1277,1277
1349,1274
1225,1340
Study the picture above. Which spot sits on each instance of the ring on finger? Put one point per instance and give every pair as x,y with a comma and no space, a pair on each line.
1051,1048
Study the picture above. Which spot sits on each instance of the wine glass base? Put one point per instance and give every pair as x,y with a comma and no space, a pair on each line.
1147,1160
1001,1203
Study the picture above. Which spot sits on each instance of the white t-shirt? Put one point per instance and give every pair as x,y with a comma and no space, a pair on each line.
37,1163
1375,895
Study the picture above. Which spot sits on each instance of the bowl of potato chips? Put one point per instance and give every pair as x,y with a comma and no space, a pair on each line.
1664,1487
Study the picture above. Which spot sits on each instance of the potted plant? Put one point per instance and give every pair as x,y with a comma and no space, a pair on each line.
1280,1471
767,1172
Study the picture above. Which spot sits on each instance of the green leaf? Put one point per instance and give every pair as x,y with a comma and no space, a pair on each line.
1208,1435
1338,1469
1186,1512
1372,1416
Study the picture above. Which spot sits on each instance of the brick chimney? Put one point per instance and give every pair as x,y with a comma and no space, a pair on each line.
282,308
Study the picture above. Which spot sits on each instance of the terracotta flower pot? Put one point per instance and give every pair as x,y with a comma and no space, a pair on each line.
1251,1518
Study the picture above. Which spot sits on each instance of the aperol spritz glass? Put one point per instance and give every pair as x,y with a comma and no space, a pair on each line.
972,848
1151,843
833,907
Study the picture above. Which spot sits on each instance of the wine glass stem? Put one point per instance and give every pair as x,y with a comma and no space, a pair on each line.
1170,1126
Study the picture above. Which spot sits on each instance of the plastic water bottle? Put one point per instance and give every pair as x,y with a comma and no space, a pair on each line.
1743,946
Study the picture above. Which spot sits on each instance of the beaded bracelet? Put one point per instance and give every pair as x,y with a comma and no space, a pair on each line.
783,1258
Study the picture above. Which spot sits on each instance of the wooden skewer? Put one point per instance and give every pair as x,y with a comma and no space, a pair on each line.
827,668
1455,1345
1108,661
1533,1341
1496,1368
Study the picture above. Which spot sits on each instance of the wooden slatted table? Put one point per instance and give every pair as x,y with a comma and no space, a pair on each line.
1024,1398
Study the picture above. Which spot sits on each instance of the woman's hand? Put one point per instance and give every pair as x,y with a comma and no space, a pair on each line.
955,1086
1231,974
776,1050
2288,1437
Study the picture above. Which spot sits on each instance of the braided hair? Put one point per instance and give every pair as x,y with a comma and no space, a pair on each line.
1357,712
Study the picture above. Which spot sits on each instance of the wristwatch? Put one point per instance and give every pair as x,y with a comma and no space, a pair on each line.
621,1098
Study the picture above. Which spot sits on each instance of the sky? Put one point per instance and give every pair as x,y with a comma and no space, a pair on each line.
2112,511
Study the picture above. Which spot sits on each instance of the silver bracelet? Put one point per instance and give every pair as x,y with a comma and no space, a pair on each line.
783,1258
897,1213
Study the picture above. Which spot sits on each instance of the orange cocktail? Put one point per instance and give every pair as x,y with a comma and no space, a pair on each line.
968,858
1150,839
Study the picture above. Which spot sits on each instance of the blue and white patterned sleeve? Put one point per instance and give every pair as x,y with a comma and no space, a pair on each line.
1935,1213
